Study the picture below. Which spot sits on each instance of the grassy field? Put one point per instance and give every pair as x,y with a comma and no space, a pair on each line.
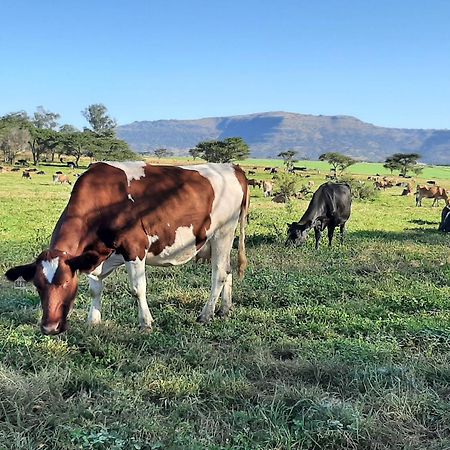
347,347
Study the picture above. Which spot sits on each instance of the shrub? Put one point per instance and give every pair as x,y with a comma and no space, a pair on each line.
360,189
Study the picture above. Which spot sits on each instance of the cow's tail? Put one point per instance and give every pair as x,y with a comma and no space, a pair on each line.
242,257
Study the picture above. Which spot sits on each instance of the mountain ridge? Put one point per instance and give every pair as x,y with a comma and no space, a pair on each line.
269,133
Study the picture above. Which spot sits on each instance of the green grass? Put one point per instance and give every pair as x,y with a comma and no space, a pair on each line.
347,347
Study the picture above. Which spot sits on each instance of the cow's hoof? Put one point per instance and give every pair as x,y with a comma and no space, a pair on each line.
144,328
203,320
223,313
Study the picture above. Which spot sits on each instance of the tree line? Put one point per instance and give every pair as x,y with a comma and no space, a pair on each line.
45,138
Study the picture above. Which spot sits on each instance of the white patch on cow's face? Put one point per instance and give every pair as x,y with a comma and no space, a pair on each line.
228,194
181,251
49,268
134,170
130,198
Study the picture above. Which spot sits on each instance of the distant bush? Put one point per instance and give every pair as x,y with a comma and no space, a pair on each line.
360,189
287,185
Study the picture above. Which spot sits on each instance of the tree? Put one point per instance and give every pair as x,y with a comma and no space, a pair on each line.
162,153
14,135
76,143
45,119
106,148
390,165
99,120
42,140
195,153
404,162
338,161
43,137
288,157
233,148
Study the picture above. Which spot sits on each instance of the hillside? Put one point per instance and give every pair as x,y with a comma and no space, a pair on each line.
272,132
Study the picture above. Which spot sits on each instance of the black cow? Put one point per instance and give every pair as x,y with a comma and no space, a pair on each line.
445,219
330,207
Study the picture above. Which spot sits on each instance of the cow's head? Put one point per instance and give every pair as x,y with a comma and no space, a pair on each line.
297,233
54,273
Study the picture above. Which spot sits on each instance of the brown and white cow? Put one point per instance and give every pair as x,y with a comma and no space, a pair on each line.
61,179
267,187
135,214
434,192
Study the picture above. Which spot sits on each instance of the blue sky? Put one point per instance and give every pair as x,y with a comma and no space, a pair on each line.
385,62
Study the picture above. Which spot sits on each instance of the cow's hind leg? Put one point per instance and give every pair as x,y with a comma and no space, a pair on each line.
221,278
138,283
225,307
342,232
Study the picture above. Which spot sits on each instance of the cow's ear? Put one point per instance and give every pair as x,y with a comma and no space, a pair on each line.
86,262
26,272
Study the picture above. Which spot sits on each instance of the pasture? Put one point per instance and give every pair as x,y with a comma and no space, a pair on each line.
347,347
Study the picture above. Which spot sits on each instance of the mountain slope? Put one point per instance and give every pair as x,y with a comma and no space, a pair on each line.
272,132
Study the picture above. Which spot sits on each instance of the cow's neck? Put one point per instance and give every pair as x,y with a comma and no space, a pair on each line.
315,210
71,235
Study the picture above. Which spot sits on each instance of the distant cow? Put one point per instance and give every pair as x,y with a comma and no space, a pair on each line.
26,175
41,172
254,183
267,187
61,179
408,190
32,170
58,172
274,170
22,162
434,192
431,182
267,169
445,219
71,165
15,169
251,172
330,207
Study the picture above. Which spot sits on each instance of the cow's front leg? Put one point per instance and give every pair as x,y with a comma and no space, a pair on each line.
138,282
95,289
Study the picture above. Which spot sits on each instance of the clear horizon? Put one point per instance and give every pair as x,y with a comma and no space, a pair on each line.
384,63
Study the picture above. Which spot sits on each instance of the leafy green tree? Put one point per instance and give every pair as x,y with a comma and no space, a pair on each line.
404,162
45,119
108,148
43,134
162,153
288,158
42,140
99,120
337,161
233,148
76,143
195,153
14,135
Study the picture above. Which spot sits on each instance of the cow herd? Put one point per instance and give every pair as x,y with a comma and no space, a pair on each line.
136,214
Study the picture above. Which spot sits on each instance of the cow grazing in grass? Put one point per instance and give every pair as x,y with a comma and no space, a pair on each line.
26,175
61,179
434,192
254,183
445,219
267,187
132,214
330,207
